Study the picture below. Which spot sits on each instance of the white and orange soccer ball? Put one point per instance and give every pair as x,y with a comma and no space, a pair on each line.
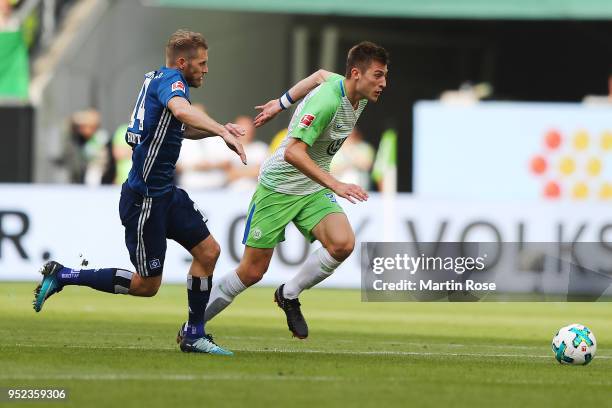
574,344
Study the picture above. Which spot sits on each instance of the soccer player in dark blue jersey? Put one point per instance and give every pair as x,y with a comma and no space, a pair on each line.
152,209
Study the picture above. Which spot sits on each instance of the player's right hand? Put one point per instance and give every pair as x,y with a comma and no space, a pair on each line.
235,145
351,192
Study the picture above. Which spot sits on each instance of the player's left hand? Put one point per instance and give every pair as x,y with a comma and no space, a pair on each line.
268,112
235,129
351,192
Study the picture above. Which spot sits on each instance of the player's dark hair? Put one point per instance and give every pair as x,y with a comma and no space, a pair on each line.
184,43
362,55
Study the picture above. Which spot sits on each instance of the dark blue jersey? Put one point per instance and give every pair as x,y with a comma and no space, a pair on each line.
154,134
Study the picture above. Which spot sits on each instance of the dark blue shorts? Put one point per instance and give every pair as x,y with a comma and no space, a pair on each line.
149,221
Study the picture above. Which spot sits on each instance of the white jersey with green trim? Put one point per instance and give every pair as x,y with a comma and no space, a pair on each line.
323,120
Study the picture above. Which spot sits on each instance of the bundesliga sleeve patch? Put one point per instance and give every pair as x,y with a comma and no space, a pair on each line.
178,86
306,120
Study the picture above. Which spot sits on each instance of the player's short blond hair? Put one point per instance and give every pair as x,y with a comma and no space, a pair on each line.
184,43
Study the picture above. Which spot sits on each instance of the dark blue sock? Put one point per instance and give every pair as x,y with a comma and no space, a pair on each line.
198,293
111,280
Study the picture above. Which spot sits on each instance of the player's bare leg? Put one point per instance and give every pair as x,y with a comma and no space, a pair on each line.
205,256
145,286
338,240
336,235
254,264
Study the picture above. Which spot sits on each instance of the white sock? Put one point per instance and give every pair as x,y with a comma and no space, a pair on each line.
318,266
223,292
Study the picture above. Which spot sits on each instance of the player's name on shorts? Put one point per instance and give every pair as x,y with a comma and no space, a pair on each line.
424,285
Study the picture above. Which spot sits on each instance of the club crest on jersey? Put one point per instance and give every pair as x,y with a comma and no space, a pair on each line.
335,146
306,120
178,86
331,197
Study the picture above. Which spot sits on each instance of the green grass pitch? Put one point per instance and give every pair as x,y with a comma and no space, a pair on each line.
113,350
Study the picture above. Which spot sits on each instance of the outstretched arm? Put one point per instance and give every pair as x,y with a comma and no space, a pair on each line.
190,116
195,134
296,154
271,108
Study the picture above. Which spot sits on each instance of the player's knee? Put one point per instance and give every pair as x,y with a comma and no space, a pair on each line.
213,253
150,288
145,287
209,255
341,249
251,275
150,291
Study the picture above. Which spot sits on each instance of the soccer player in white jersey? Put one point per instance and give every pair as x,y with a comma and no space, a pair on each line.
295,184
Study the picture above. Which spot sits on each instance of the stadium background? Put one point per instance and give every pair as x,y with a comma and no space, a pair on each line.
486,99
558,51
462,147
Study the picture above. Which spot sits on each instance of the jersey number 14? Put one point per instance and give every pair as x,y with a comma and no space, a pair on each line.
139,109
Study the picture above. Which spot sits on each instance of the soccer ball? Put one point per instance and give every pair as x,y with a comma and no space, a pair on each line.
574,344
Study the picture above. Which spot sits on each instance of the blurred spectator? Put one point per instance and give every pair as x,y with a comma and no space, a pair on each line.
600,99
86,154
354,160
7,21
14,66
122,154
467,93
239,176
38,24
204,163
